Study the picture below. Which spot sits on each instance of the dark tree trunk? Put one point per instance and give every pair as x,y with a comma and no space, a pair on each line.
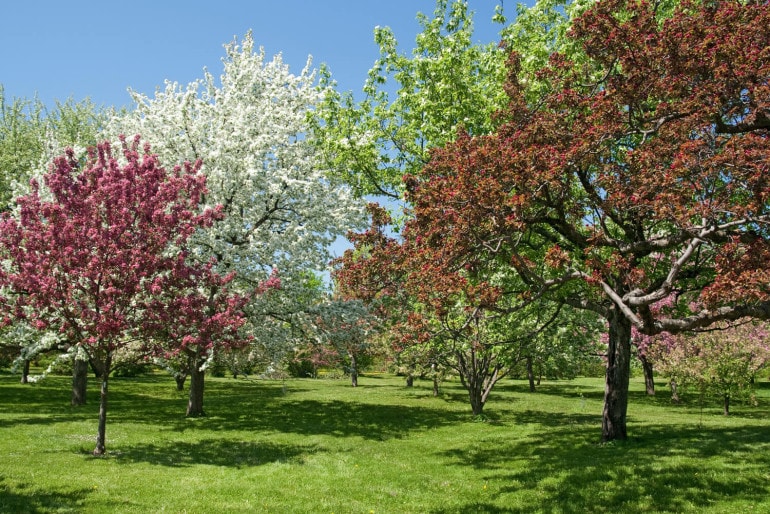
727,405
649,380
101,437
409,380
25,372
530,374
79,381
435,379
180,380
617,378
353,370
195,402
477,404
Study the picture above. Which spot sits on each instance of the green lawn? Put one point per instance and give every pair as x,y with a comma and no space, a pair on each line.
321,446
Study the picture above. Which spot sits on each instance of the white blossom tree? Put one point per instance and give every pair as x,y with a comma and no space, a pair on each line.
250,130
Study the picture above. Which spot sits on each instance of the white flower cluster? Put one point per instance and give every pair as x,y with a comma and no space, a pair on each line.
250,130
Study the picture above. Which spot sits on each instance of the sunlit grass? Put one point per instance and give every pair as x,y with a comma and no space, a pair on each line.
322,446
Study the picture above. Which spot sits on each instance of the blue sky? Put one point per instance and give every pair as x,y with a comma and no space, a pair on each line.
97,49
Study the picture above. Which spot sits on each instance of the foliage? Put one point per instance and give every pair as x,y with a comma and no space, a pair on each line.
103,263
31,135
447,82
611,195
723,362
282,208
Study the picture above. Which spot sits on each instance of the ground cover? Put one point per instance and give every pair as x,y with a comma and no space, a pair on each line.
320,446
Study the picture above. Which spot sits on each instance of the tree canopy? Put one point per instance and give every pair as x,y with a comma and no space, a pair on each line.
638,173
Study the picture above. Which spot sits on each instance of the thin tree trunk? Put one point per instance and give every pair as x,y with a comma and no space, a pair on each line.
727,405
180,380
617,378
353,370
530,374
409,380
435,379
649,379
25,372
195,402
101,435
79,381
674,392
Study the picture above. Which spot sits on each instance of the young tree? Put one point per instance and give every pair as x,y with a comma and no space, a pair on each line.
346,328
724,361
251,131
92,262
459,318
613,194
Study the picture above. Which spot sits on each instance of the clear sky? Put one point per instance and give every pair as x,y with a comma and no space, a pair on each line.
58,49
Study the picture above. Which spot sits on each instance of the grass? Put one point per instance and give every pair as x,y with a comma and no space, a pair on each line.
321,446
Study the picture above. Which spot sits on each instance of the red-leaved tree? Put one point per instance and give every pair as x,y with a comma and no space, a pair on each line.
641,173
92,253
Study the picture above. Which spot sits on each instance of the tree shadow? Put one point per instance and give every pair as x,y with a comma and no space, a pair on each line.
34,501
213,452
663,468
335,418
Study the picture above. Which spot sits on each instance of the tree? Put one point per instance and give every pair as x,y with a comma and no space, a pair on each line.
447,82
459,319
93,262
282,209
612,194
344,328
724,361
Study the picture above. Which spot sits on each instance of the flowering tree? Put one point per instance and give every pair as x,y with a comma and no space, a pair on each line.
638,174
724,361
340,328
282,209
459,319
93,261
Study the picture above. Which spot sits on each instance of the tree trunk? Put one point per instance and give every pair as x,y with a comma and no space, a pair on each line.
477,403
195,403
101,437
649,380
727,405
353,370
530,374
674,392
617,378
180,380
409,380
435,379
79,381
25,372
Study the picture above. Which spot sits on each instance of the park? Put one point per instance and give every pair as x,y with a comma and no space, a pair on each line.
553,297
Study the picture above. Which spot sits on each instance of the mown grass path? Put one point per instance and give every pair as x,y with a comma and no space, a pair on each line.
321,446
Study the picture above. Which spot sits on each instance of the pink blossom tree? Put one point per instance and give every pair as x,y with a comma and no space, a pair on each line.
91,254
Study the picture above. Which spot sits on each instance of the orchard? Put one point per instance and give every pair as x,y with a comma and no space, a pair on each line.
580,205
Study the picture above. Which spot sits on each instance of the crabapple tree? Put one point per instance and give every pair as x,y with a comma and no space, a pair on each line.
250,128
620,188
93,261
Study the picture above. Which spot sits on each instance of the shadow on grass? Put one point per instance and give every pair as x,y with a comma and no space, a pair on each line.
214,452
332,418
671,468
34,501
